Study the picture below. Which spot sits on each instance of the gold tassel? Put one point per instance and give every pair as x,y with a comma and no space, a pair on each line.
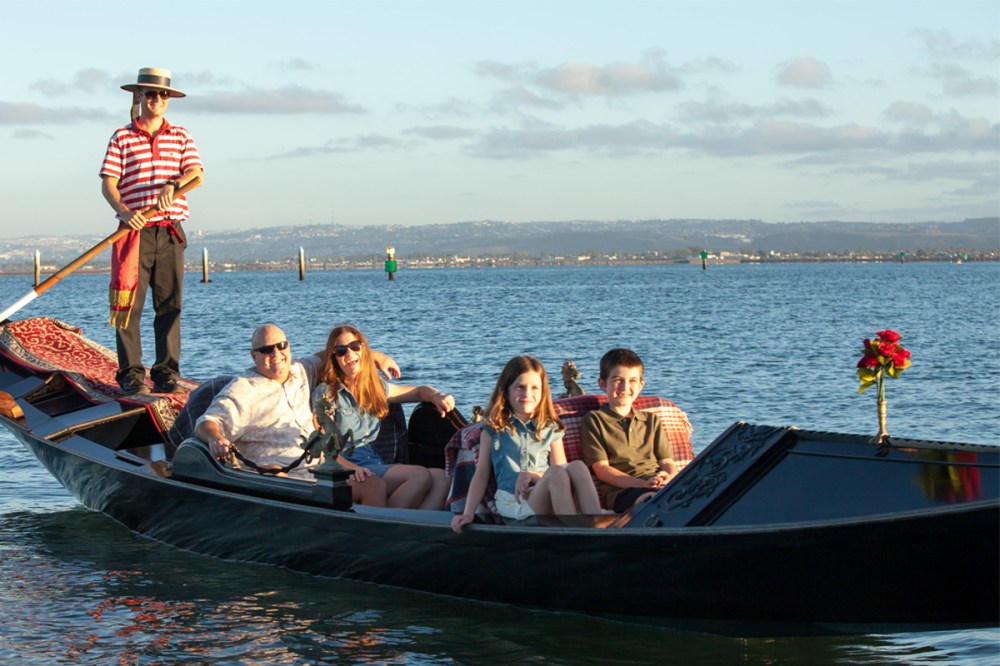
121,307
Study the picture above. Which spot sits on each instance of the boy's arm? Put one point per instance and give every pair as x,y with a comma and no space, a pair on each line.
667,471
611,476
664,455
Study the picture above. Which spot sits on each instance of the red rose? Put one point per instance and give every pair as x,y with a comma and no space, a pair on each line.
888,336
899,356
869,361
886,348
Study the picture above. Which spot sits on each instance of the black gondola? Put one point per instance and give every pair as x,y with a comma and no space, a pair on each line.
775,529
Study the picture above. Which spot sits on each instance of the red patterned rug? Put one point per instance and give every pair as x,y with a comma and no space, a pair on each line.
48,345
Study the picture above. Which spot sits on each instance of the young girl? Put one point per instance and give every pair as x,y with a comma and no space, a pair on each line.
521,444
351,388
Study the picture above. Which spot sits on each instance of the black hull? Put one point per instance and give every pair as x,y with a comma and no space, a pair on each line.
915,569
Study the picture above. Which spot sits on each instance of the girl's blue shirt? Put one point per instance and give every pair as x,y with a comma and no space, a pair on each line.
512,452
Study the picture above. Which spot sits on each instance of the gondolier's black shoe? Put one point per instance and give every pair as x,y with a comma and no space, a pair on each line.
134,387
170,385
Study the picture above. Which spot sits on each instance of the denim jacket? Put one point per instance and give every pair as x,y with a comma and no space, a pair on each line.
517,451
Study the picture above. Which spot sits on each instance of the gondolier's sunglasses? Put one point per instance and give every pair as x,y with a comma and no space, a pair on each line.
341,350
153,94
267,349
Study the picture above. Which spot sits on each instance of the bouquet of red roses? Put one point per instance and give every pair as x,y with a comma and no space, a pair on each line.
882,357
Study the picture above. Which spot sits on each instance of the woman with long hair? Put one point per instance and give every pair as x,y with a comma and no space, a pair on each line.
351,388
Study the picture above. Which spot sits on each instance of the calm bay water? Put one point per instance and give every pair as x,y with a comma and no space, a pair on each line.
767,344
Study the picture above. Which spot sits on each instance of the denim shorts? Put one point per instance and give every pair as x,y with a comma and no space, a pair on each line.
366,457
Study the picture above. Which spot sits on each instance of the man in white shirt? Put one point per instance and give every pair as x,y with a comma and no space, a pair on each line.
266,412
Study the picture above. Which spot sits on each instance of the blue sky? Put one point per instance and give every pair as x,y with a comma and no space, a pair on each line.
417,112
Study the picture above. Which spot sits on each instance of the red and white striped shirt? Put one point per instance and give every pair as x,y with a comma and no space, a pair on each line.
143,164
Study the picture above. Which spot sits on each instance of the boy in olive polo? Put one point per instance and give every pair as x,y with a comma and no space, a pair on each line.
626,449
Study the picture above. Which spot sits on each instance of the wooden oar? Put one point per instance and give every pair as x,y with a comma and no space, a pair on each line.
87,256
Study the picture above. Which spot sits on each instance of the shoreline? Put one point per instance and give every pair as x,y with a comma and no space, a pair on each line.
430,263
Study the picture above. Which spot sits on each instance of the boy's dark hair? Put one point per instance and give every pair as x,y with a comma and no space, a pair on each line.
620,356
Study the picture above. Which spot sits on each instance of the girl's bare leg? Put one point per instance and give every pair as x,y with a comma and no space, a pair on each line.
407,486
370,492
553,494
438,493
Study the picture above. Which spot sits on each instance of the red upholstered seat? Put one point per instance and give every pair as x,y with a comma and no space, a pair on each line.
49,346
462,450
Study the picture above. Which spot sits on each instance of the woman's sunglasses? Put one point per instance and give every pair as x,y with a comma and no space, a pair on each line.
341,350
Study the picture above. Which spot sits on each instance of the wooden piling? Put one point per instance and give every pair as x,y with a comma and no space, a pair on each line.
204,266
302,264
38,268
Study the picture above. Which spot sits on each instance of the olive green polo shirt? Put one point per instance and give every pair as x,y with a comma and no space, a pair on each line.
633,445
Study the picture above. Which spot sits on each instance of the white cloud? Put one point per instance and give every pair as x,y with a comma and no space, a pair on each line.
652,74
291,100
441,132
719,111
31,134
943,44
360,143
805,73
909,112
35,114
612,80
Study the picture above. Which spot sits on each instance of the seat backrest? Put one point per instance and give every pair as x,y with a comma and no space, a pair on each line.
197,402
674,421
392,442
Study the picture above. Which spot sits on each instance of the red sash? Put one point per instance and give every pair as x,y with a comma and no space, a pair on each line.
125,272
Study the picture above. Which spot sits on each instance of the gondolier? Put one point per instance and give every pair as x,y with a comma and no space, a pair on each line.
145,164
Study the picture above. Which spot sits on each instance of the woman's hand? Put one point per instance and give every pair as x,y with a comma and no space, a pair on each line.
445,402
362,473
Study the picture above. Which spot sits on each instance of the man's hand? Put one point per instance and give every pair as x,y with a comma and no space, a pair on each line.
445,402
386,365
136,220
166,198
221,448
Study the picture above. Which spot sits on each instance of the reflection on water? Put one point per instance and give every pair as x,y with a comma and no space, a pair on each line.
82,589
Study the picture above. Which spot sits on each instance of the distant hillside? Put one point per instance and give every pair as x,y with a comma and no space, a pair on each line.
556,238
492,238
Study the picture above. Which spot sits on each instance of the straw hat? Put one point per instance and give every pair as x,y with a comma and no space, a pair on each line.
153,77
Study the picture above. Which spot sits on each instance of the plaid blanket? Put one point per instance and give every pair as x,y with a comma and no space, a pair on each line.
462,449
46,345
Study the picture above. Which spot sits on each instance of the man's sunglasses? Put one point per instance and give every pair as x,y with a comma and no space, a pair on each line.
267,349
153,94
341,350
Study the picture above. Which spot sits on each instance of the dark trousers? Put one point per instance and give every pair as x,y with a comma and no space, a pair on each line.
161,269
